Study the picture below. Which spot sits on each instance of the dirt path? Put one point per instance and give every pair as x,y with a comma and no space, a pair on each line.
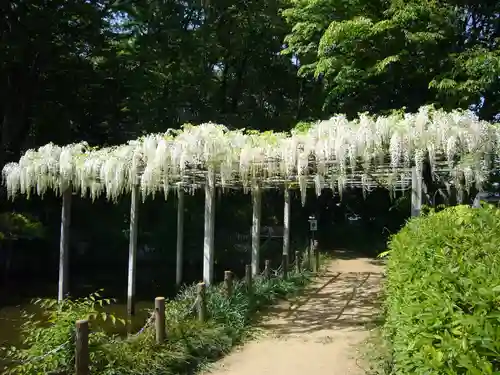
316,334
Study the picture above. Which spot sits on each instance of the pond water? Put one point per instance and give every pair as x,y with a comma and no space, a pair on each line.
11,321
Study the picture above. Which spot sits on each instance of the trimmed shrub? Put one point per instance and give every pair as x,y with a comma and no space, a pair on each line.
443,294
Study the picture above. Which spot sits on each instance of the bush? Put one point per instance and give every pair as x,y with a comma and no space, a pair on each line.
443,294
189,342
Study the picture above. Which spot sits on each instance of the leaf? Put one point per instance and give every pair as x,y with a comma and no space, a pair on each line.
384,254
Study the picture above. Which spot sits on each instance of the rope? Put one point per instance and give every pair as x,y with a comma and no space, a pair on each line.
40,357
148,322
272,272
152,317
192,308
276,272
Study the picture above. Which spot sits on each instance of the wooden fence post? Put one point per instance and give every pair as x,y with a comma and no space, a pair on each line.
202,303
284,264
82,348
248,277
297,261
228,283
160,319
267,269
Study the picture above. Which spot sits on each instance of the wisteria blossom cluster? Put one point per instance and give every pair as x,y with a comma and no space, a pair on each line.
328,153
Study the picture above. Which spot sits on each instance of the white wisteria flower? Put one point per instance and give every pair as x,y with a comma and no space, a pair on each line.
365,152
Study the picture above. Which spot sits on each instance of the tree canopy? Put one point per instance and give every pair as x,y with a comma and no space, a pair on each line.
386,54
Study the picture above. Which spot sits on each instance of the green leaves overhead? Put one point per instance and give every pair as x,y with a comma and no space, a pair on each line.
380,55
110,71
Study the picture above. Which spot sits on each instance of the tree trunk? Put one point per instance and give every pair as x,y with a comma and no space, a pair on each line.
238,85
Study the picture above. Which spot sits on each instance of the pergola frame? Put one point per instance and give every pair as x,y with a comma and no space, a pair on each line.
365,153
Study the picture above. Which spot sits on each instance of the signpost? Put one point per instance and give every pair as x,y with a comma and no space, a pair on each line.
313,225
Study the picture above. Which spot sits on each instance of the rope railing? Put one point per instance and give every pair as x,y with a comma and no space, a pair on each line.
38,358
157,318
149,321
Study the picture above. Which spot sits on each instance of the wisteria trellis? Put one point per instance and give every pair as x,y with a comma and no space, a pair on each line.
366,152
333,153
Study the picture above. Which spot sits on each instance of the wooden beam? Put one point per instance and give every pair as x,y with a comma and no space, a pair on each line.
256,222
208,243
63,286
132,249
180,236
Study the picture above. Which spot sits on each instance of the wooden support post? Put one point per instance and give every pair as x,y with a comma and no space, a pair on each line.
286,224
416,191
297,261
160,320
63,287
267,269
180,236
316,255
132,250
202,303
256,220
460,195
313,257
228,283
82,348
284,264
208,243
307,257
248,278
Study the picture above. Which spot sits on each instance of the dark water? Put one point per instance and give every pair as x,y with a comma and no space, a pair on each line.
11,321
16,299
152,282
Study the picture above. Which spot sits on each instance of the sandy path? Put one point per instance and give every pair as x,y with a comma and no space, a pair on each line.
316,334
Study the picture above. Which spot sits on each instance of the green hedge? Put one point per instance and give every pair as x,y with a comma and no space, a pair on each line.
189,343
443,294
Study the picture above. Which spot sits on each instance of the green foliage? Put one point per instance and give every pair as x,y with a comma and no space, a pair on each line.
189,342
442,293
380,55
14,225
48,343
302,126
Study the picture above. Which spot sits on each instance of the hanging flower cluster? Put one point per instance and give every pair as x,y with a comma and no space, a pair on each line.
49,167
328,153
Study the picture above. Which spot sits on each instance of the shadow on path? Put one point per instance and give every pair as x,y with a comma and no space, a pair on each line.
319,332
341,300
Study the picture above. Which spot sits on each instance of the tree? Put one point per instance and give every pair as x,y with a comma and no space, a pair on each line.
381,55
49,72
214,62
14,226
